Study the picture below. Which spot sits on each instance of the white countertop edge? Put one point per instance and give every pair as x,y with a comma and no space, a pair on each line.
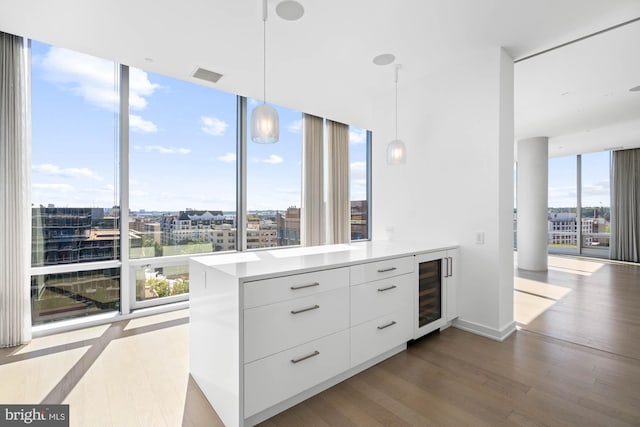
264,264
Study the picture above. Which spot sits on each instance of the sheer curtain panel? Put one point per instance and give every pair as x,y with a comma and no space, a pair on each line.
312,181
339,209
625,205
15,193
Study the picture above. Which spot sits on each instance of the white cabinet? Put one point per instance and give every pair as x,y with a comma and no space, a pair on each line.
373,299
381,310
275,327
275,378
269,329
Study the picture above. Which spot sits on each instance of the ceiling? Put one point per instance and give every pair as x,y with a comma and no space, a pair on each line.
312,63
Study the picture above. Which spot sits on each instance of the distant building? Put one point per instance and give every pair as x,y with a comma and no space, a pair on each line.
71,235
289,227
359,220
562,228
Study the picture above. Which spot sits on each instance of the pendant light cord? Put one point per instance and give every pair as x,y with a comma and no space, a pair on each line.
396,80
264,51
396,103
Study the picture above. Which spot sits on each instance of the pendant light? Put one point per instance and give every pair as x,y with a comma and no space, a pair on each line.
396,150
265,128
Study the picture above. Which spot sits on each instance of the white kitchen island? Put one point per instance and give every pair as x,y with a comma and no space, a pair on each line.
269,329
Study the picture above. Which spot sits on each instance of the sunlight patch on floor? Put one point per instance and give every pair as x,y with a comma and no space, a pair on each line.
29,381
157,318
575,266
527,307
542,289
41,343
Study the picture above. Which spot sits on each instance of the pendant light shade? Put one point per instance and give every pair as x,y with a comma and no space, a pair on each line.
265,128
396,153
396,150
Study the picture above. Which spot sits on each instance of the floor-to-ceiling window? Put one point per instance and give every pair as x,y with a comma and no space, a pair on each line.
359,147
120,205
579,204
75,232
562,205
595,230
182,179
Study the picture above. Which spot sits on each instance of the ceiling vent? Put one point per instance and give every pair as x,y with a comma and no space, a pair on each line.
210,76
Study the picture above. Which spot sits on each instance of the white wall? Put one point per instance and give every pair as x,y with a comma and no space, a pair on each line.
457,123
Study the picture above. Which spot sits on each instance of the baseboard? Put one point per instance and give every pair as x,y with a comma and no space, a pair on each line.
485,331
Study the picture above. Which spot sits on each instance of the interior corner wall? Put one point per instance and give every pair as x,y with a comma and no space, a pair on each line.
457,124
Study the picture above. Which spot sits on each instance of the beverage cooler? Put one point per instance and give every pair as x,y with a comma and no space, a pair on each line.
433,271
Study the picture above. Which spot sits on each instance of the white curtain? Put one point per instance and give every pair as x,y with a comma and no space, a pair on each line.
625,205
312,215
339,209
15,192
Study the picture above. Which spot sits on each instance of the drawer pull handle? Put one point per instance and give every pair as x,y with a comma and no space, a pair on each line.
384,270
393,322
308,285
302,310
308,356
388,288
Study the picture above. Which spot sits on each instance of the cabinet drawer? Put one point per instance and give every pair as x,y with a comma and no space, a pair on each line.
272,328
268,291
270,380
363,273
375,299
379,335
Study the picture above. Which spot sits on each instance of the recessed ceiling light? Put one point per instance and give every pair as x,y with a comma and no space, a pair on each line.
384,59
290,10
148,59
635,89
564,93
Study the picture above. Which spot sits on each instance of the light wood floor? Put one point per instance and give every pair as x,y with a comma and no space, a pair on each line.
575,362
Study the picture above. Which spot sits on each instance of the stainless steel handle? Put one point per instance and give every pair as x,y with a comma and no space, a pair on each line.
384,270
388,288
450,266
393,322
308,356
308,285
302,310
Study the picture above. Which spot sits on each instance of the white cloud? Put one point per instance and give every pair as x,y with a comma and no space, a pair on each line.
295,126
357,136
140,87
213,126
227,158
252,101
92,78
60,188
50,169
138,124
160,149
272,160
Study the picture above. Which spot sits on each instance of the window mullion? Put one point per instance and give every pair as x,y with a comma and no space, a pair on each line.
126,289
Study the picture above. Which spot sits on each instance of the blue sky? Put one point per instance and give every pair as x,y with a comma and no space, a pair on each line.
595,180
182,142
